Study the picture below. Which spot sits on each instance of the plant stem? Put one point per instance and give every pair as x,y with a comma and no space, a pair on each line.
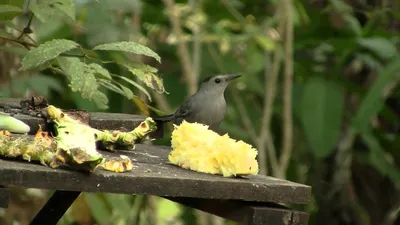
269,96
183,51
287,141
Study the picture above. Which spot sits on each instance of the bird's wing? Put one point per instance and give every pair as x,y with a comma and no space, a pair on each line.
182,112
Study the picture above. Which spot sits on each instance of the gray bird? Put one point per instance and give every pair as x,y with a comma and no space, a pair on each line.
206,106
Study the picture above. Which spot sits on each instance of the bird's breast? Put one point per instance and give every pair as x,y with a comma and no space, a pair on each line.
211,113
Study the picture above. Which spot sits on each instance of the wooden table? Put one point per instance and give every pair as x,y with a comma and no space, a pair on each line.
251,200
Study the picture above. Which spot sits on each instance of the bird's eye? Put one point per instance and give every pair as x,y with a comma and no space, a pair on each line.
217,80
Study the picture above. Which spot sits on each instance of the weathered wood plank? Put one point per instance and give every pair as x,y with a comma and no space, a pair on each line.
4,197
153,175
247,213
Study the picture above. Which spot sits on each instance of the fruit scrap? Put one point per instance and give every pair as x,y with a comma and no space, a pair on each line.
197,148
122,165
74,144
112,140
40,149
84,134
12,124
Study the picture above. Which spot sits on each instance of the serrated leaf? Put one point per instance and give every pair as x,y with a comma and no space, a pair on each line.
67,6
321,114
82,79
44,10
135,84
128,93
373,101
129,46
8,12
100,70
382,47
117,87
107,84
47,51
146,74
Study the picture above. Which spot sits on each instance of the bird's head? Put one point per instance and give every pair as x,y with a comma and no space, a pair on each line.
217,84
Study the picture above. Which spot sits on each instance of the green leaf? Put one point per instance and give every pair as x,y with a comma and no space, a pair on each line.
37,83
373,101
146,74
341,6
117,87
67,6
100,70
82,79
9,8
47,51
11,25
128,93
167,210
321,114
353,24
98,208
45,10
382,47
8,12
129,46
17,3
107,84
265,42
119,203
134,84
369,60
378,158
15,50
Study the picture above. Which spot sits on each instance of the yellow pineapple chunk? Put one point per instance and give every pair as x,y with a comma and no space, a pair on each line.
200,149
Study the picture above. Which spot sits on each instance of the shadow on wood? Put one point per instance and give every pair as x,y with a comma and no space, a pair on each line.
247,213
4,197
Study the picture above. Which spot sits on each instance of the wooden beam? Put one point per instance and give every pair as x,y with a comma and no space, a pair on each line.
247,213
154,175
55,208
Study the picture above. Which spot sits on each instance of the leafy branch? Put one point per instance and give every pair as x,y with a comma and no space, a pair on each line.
84,78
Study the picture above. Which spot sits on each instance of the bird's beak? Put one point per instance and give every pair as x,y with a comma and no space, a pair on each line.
232,77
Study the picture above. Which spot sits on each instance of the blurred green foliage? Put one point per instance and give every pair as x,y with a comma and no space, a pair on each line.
345,100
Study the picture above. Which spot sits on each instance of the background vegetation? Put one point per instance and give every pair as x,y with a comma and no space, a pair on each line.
318,98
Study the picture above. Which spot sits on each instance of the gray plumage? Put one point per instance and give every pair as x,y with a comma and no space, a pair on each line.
206,106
